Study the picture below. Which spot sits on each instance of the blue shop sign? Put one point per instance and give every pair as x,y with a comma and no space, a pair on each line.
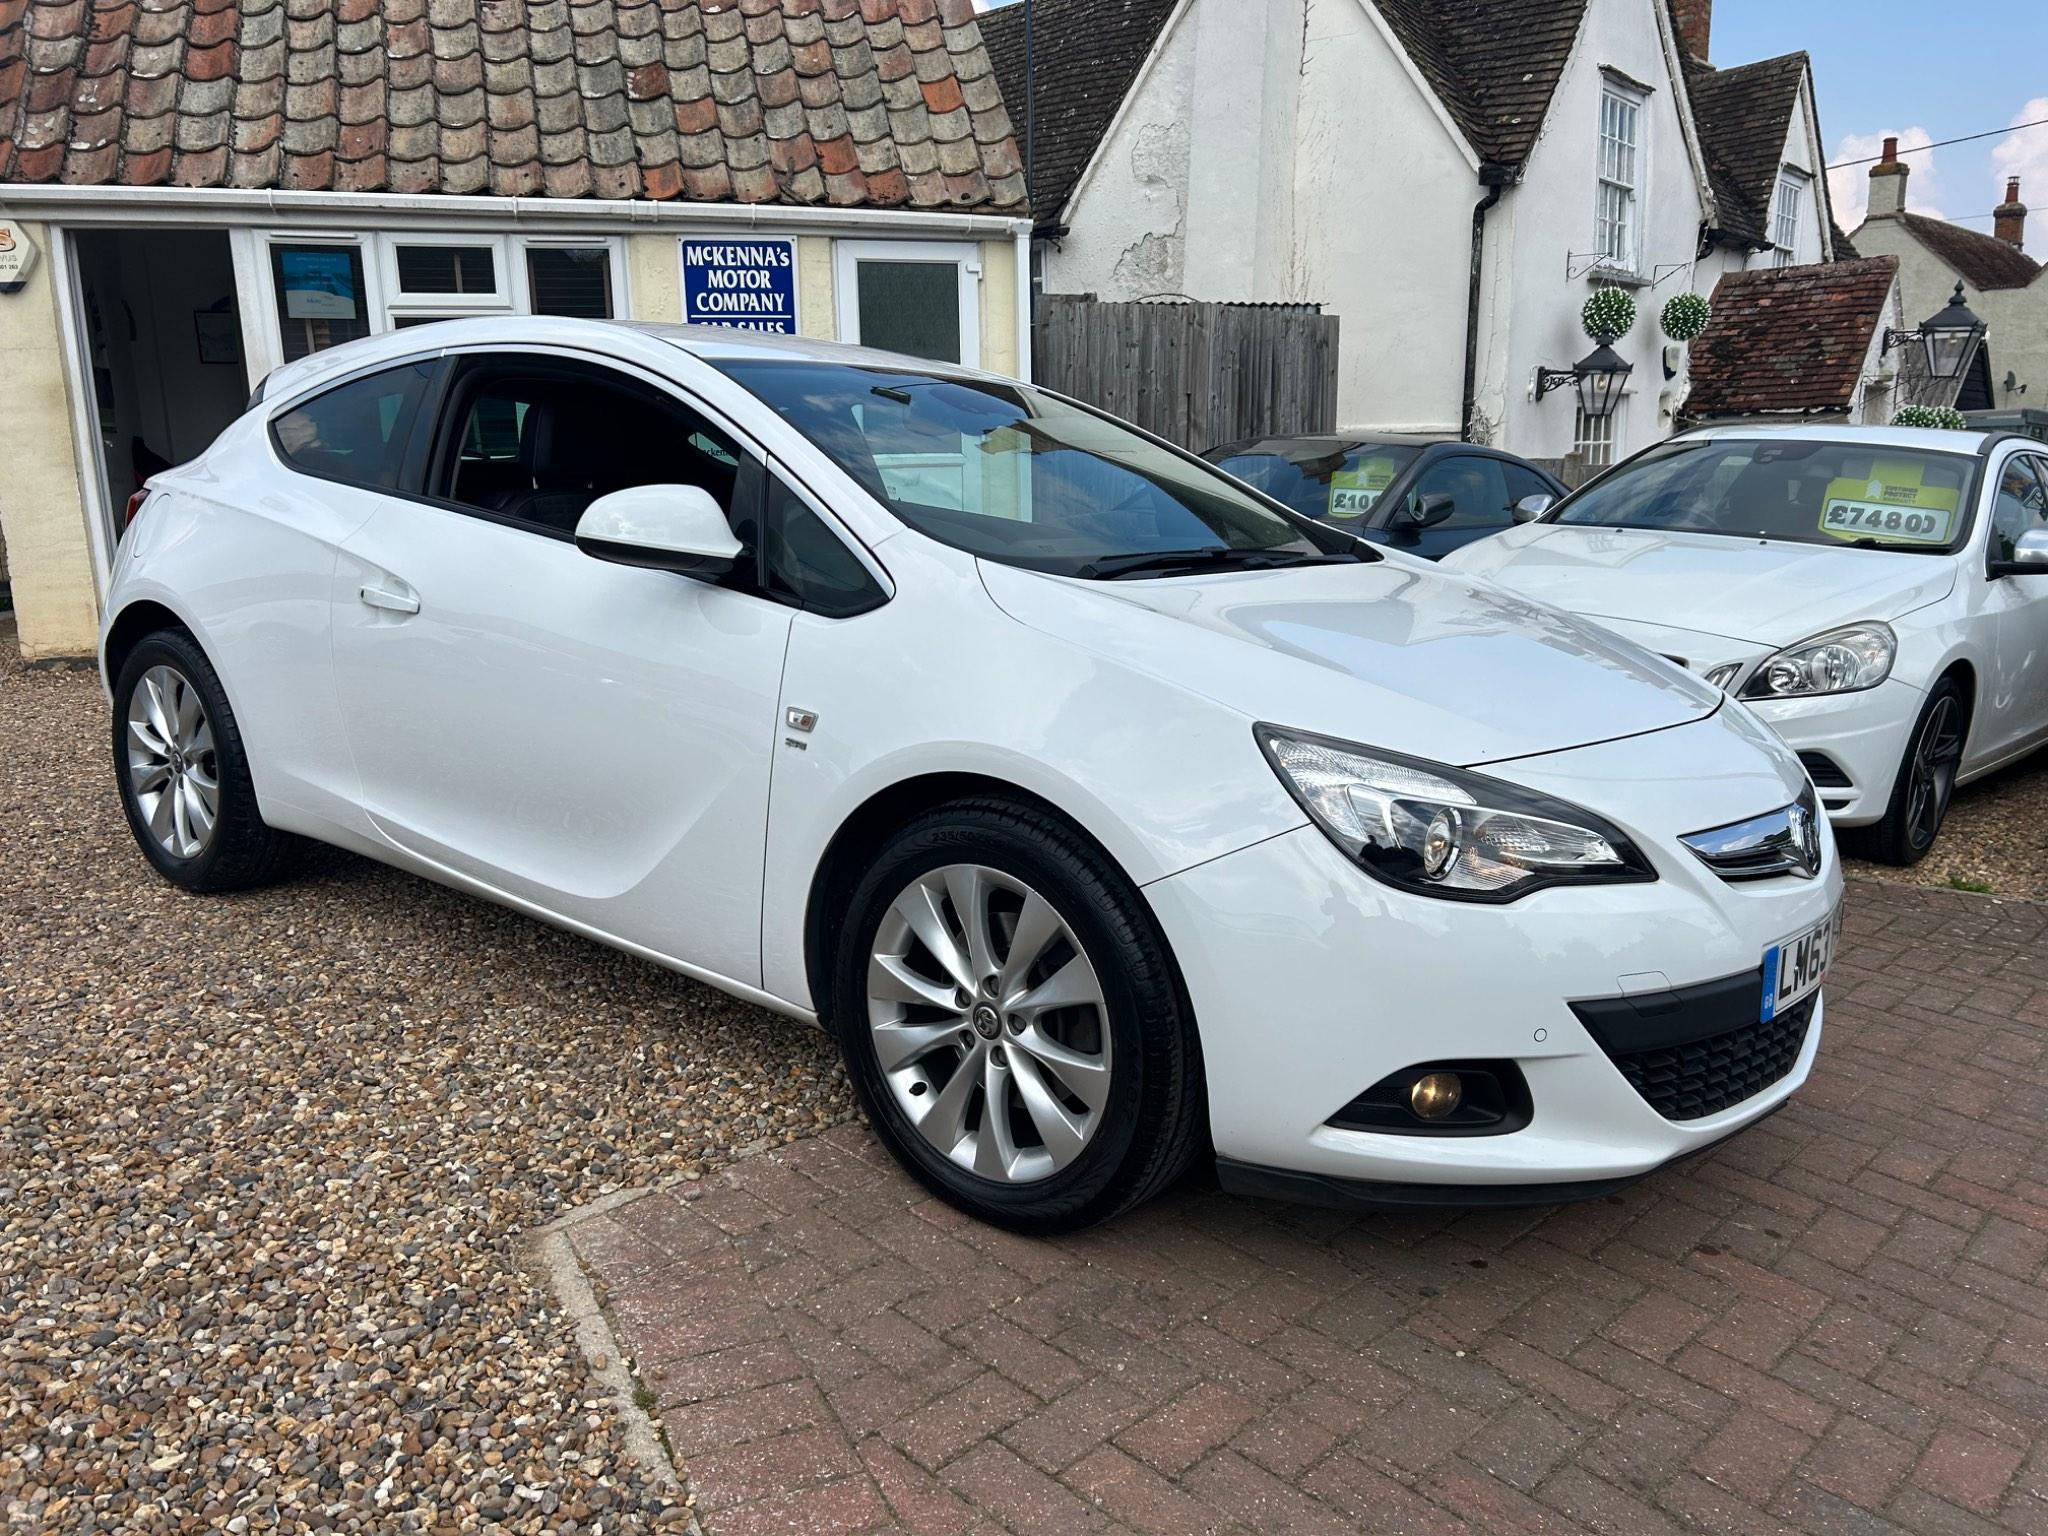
749,285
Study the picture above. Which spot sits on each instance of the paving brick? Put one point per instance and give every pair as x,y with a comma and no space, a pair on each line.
1199,1421
1967,1469
1823,1327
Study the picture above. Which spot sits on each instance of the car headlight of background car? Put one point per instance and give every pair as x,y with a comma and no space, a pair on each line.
1441,831
1845,660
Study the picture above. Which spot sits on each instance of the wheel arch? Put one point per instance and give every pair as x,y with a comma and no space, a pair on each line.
861,834
129,627
1964,671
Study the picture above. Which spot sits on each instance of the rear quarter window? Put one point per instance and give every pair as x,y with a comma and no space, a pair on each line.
356,432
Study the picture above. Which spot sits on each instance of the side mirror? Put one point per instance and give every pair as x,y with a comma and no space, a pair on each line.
1425,512
2029,556
678,528
1531,507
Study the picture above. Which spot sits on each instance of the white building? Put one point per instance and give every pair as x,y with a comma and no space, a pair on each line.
2003,285
1451,178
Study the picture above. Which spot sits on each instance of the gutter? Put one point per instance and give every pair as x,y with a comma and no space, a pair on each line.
1496,178
348,210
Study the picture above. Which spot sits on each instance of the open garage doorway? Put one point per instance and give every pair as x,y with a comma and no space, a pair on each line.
163,344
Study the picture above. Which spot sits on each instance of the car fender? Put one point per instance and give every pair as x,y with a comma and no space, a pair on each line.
1106,745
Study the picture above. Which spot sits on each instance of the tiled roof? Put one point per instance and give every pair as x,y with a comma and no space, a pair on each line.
874,102
1743,114
1493,63
1085,54
1981,260
1845,249
1789,339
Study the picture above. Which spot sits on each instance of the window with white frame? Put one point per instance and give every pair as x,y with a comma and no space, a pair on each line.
1620,187
1785,208
920,297
1594,437
327,291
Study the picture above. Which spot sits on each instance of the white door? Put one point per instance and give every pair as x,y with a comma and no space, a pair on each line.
591,738
2014,709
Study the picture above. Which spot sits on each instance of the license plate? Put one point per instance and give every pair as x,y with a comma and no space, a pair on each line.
1798,965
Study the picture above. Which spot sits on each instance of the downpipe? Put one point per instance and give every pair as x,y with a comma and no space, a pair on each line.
1496,179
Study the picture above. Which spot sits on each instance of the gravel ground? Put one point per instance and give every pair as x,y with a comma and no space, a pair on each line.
1995,839
264,1162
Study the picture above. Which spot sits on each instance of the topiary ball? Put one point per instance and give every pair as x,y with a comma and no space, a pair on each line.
1685,316
1944,417
1608,315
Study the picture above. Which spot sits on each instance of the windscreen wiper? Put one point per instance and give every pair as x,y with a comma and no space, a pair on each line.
1115,567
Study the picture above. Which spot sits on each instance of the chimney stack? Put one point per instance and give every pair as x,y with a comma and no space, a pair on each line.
1888,183
1695,19
2009,219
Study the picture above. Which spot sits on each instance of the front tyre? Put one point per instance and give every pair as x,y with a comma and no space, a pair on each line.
183,774
1012,1023
1926,779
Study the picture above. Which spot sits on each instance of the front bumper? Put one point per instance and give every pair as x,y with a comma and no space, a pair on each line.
1860,735
1311,982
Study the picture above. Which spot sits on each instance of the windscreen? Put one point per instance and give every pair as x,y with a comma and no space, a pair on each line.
1844,492
1019,476
1337,484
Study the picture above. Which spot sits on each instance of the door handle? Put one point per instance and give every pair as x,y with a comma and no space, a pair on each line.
395,602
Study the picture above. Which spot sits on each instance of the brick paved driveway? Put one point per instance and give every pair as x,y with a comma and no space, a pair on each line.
1837,1323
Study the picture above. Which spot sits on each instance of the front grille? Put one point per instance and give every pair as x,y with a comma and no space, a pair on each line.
1825,772
1781,842
1704,1077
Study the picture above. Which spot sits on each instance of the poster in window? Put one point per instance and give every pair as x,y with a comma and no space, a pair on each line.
747,285
318,285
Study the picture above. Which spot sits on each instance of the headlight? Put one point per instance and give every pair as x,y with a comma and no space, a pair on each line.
1840,661
1442,831
1724,674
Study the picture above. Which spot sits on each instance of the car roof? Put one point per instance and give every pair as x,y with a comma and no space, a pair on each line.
1924,439
1320,443
710,343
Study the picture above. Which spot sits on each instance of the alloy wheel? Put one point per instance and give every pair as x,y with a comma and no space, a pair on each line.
1937,751
173,769
989,1024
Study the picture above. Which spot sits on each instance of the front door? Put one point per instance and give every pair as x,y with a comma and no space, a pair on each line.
589,738
2014,709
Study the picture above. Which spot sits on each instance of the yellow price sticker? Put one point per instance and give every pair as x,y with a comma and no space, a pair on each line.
1353,492
1891,503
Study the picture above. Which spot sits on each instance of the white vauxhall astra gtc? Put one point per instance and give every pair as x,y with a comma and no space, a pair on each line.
1108,814
1876,595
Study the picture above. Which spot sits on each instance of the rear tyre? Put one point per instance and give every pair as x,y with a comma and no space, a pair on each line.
1012,1023
1926,779
183,774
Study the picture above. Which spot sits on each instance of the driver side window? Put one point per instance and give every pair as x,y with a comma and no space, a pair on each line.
2021,504
534,443
1478,491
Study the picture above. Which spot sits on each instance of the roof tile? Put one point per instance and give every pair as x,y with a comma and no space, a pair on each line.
1984,261
1812,325
803,101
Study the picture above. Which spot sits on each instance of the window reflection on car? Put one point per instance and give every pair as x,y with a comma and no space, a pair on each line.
1800,491
1015,475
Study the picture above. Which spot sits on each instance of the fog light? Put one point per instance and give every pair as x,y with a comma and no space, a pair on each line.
1435,1095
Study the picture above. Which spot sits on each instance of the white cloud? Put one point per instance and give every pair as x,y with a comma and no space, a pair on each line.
2024,155
1849,186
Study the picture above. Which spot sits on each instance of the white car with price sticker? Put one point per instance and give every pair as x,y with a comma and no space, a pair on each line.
1877,595
1109,814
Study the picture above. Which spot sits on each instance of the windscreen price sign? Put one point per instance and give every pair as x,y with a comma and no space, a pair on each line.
749,285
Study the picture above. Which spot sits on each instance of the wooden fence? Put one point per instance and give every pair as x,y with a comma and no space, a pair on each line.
1196,374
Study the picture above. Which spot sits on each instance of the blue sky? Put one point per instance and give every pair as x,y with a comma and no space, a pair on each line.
1924,72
